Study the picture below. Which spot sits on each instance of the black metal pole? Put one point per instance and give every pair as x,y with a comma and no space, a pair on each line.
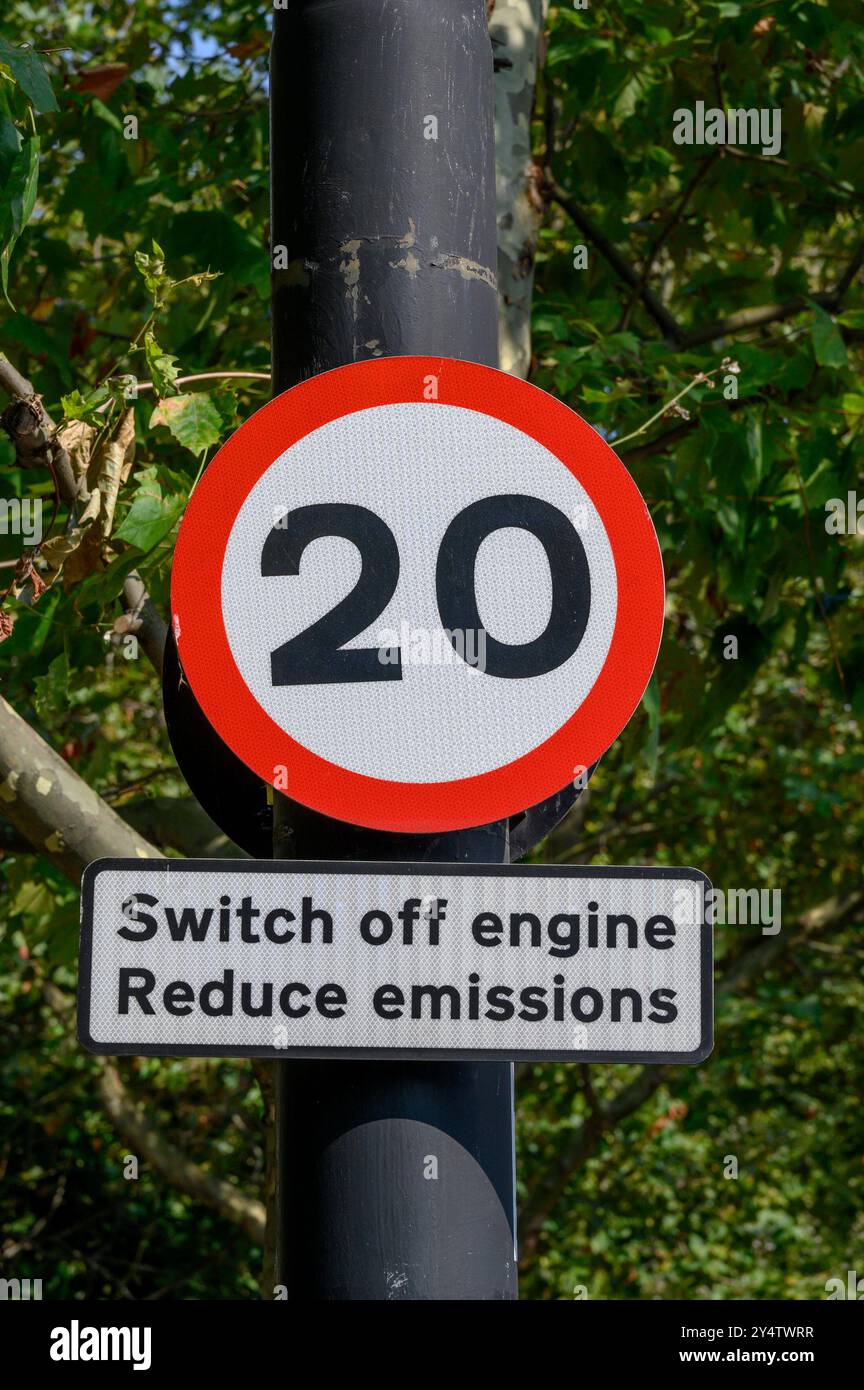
395,1180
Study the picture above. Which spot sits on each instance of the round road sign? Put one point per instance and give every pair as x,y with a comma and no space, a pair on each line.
417,594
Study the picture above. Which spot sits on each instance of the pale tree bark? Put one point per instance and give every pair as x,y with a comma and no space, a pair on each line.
516,28
53,808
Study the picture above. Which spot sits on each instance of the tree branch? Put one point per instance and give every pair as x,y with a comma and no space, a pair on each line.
755,317
168,822
574,1153
666,322
33,433
675,218
835,911
658,443
762,314
142,619
147,1141
53,808
209,376
179,823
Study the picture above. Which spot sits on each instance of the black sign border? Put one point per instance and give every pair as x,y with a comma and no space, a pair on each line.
450,870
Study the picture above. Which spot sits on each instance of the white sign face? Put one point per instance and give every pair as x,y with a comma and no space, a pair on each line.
269,958
409,462
417,594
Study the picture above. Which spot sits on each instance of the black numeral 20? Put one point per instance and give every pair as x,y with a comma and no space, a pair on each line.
316,656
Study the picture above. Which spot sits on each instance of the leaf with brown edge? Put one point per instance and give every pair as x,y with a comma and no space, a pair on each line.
102,81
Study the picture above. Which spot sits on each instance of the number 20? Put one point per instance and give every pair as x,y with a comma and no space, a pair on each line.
317,656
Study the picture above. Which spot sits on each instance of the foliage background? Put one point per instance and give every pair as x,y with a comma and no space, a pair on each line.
750,769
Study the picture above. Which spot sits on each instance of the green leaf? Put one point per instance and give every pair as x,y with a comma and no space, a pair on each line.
651,702
755,452
10,141
192,419
161,365
217,241
19,198
104,113
85,405
828,346
629,97
151,516
52,689
102,589
27,69
152,269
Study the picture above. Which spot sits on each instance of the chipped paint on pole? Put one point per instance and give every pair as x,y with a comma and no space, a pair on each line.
405,119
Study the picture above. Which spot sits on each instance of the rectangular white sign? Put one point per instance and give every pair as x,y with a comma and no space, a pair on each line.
269,958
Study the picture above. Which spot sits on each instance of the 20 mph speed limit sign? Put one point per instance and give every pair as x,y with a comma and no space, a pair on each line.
417,594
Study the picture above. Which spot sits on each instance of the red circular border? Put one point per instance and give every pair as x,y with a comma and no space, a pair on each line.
227,702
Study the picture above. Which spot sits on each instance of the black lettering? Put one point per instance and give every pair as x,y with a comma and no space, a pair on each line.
455,582
366,928
285,1001
558,996
188,924
178,997
500,999
516,921
408,915
129,991
474,997
131,910
669,1011
534,1006
225,986
612,923
435,920
636,1004
592,924
578,1010
664,928
567,942
318,655
485,924
310,914
248,1008
388,1001
246,912
435,994
330,1001
287,934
